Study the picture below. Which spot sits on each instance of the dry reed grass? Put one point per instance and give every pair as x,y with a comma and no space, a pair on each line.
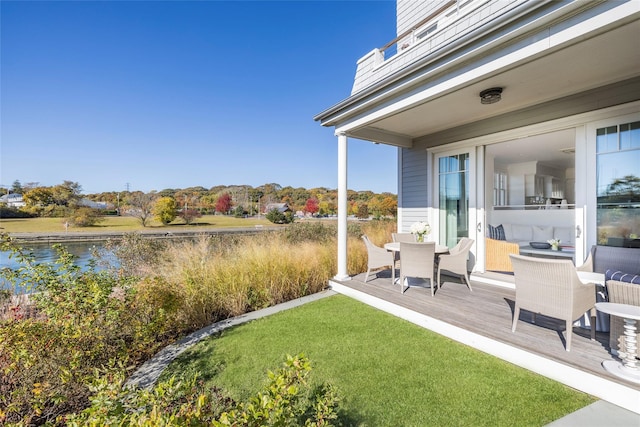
225,277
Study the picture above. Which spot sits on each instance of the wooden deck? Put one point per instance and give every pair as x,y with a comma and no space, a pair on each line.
487,311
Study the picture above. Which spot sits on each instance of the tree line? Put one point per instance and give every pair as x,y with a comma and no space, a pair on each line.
66,200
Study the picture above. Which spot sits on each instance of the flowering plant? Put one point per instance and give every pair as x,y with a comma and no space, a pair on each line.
555,243
420,229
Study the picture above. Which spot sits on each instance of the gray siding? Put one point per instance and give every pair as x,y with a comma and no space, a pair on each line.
414,196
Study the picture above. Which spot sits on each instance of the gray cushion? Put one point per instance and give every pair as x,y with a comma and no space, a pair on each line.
616,259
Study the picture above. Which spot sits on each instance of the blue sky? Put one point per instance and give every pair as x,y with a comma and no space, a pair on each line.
177,94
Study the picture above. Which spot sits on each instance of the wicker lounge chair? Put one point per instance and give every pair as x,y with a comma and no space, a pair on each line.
416,260
377,257
552,288
456,261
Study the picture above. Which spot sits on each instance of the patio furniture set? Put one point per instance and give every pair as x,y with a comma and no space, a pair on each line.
419,260
607,283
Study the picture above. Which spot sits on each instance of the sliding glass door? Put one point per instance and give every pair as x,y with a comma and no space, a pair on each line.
455,196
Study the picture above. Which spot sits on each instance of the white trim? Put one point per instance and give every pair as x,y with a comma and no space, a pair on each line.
342,273
489,281
434,178
590,202
620,395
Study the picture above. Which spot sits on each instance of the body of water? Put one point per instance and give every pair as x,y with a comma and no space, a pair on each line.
44,252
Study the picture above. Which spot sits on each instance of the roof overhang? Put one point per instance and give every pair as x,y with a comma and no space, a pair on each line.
535,62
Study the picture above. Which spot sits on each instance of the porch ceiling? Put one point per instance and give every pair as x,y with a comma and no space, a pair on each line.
591,63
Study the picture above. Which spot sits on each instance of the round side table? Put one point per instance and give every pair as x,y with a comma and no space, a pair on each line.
627,369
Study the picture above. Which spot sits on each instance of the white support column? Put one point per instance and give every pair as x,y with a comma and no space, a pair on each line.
342,208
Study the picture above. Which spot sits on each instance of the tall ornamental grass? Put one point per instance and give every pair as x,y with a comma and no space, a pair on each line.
225,277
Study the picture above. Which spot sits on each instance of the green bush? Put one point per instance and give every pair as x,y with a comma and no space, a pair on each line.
82,320
85,217
286,400
313,231
11,212
277,217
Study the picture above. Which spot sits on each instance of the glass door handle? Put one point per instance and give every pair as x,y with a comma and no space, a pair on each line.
479,228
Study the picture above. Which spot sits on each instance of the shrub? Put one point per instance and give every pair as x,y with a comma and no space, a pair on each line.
314,231
277,217
11,212
85,217
133,255
286,400
170,403
119,317
85,320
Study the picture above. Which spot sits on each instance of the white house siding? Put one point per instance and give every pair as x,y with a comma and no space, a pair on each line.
414,193
408,12
375,66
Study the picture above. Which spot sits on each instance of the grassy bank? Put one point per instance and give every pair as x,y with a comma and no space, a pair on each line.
388,371
124,224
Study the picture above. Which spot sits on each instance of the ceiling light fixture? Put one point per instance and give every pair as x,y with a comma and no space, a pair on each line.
491,96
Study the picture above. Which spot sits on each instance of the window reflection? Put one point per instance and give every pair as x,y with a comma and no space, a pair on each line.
618,185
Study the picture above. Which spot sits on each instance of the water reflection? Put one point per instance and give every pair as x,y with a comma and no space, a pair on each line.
45,253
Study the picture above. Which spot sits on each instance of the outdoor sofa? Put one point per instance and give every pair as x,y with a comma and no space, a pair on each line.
503,240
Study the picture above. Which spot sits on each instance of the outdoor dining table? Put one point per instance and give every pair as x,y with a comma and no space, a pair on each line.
395,247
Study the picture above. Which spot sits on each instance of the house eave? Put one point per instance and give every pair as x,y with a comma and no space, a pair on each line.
345,114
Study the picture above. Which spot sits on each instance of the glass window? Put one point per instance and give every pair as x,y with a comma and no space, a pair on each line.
618,185
454,198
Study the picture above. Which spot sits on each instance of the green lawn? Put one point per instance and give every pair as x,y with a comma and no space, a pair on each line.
389,372
123,224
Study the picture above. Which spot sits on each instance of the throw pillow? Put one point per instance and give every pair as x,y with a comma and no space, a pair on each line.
496,233
622,277
542,234
522,233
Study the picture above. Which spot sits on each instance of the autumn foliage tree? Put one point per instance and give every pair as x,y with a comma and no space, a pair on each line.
223,204
312,206
165,209
189,215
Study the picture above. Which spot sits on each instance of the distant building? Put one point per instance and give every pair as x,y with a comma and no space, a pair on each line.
91,204
13,200
281,207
